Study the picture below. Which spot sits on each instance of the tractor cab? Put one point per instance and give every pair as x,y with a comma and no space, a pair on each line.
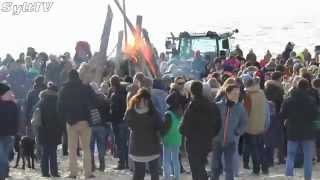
183,49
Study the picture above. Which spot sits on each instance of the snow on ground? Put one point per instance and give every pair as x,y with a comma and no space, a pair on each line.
276,173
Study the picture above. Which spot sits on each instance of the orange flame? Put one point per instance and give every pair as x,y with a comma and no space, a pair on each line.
136,46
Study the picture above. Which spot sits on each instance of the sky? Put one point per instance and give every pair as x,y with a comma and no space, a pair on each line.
69,21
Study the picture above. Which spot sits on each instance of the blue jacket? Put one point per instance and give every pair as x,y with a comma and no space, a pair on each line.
159,101
234,126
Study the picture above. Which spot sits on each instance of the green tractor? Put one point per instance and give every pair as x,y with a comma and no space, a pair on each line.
183,48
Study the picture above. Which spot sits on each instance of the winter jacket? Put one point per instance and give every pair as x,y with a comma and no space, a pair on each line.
104,109
145,136
233,62
53,72
74,100
32,100
171,135
274,93
183,100
234,120
118,104
50,130
201,122
257,111
299,112
9,120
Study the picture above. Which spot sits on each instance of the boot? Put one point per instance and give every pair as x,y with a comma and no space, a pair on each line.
102,166
93,164
121,166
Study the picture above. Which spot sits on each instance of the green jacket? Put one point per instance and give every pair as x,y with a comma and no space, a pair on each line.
173,136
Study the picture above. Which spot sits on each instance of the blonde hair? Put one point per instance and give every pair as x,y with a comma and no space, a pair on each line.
229,81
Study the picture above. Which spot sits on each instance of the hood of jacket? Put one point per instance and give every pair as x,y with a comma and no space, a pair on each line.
46,93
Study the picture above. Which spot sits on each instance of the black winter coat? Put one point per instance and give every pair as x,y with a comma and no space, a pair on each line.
9,118
50,131
201,123
118,105
74,100
275,94
145,133
299,112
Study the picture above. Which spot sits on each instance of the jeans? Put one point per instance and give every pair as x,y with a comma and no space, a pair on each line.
171,163
98,135
121,135
308,152
236,159
49,158
228,151
6,146
254,145
140,170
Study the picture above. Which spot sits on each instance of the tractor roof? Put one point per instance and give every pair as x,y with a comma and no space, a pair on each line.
208,34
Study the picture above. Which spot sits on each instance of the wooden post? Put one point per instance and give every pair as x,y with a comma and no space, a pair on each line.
153,60
125,24
130,25
140,66
106,33
139,26
119,44
119,52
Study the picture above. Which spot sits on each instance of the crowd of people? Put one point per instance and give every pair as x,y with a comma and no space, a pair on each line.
266,111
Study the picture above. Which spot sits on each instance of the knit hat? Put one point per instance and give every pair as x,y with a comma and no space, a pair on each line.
248,80
3,89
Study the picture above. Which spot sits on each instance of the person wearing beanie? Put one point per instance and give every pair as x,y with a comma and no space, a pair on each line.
200,124
257,108
74,101
9,114
49,130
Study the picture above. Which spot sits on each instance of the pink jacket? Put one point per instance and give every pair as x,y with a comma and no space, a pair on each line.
234,62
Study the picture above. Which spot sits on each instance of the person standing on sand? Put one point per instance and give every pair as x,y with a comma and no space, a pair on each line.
258,122
233,124
32,99
118,104
9,127
299,112
50,131
74,100
172,138
201,123
145,124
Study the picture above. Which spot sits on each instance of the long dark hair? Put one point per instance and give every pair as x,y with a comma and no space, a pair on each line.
136,99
